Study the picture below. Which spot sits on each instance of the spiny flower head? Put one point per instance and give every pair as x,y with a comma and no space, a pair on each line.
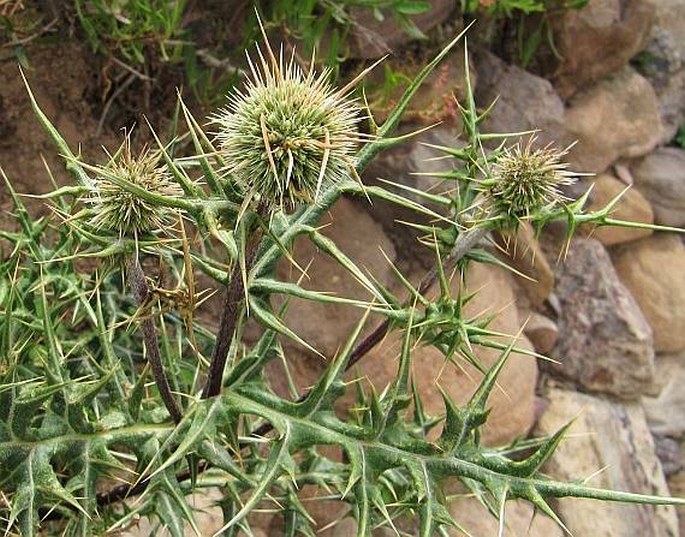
122,211
526,181
289,133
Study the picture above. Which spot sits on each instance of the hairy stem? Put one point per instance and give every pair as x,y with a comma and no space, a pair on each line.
141,294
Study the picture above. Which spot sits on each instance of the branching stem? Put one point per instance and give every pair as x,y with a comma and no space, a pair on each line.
141,294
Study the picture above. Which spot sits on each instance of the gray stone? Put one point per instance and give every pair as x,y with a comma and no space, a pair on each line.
663,63
605,343
660,176
524,101
610,442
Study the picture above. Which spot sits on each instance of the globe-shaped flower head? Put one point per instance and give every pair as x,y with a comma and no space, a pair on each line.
526,182
118,209
289,134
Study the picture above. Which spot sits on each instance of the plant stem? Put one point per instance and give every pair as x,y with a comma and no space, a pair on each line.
232,307
141,293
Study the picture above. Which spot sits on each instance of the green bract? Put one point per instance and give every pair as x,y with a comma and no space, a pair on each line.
289,133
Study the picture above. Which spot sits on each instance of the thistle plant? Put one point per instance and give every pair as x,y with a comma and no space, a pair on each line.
89,443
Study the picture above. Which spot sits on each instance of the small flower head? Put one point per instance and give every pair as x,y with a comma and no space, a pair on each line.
121,211
526,181
288,134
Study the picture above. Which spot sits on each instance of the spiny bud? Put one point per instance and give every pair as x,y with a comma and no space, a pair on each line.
123,212
526,181
288,134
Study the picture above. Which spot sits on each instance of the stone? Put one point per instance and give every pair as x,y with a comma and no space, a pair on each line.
665,409
512,402
676,483
524,101
663,63
652,269
616,117
326,327
597,40
542,332
523,253
660,176
605,342
372,36
632,207
519,520
611,442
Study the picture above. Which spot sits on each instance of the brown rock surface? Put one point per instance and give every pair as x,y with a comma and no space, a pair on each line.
665,408
616,117
652,269
612,439
632,207
597,40
660,176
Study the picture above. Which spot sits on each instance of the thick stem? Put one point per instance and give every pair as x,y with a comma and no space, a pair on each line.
233,305
141,293
230,313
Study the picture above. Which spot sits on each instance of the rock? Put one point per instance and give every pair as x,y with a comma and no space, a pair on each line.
597,40
519,520
611,442
512,402
663,63
617,117
326,327
652,269
542,332
525,255
605,342
632,207
512,86
660,176
372,36
676,483
665,409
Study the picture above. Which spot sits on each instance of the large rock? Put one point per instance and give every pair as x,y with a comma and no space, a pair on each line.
663,63
652,269
632,207
660,176
612,443
666,408
512,86
597,40
605,343
512,402
617,117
